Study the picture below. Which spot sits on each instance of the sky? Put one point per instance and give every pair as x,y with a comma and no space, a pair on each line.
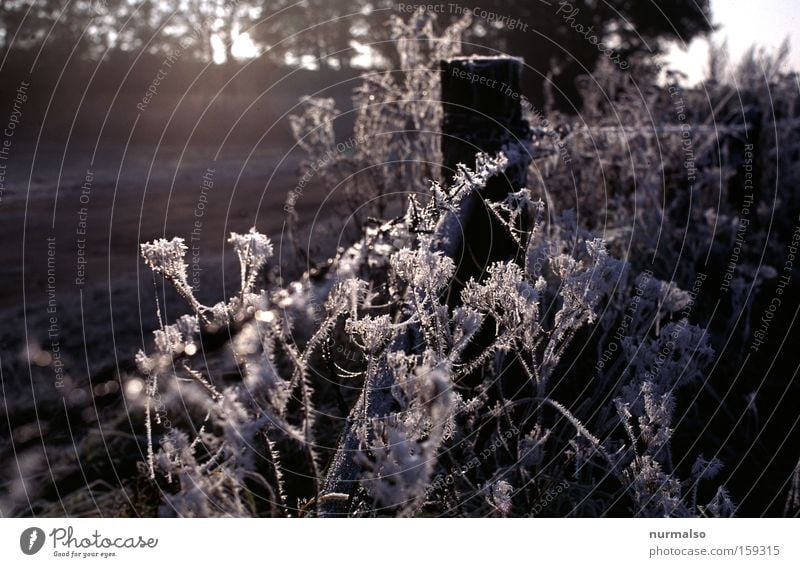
743,23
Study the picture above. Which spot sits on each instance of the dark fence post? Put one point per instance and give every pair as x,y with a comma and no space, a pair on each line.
482,108
483,113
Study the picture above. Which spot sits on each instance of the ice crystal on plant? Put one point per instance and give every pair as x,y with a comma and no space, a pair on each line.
508,296
166,257
253,250
404,445
373,332
721,506
423,269
706,469
500,497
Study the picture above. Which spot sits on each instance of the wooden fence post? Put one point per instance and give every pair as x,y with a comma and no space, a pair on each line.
482,108
482,113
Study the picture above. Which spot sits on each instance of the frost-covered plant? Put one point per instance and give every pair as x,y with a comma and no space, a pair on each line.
404,445
435,374
166,257
393,388
253,250
213,470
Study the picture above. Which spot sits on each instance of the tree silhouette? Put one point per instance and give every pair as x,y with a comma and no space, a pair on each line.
553,36
322,29
563,37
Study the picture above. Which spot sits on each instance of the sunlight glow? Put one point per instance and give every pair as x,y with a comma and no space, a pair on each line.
244,47
365,55
742,24
218,50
